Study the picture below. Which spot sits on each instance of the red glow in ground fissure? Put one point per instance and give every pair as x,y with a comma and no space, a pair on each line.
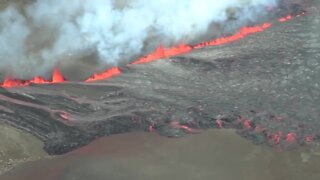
57,77
245,31
104,75
39,80
159,53
163,53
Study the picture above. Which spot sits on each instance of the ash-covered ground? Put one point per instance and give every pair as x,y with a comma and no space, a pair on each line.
266,86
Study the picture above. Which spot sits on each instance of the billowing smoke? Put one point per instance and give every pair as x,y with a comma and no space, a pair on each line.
47,33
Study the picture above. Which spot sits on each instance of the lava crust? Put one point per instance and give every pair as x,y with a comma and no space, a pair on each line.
265,85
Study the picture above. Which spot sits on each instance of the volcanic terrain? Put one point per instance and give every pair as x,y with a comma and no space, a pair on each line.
265,85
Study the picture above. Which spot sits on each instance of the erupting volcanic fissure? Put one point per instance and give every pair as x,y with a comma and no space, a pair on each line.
57,77
104,75
159,53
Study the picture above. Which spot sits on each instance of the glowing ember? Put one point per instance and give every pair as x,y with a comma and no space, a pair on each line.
276,138
177,125
284,19
308,139
291,137
65,115
57,76
246,124
219,123
105,75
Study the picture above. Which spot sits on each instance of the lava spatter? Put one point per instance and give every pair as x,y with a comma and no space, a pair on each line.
57,76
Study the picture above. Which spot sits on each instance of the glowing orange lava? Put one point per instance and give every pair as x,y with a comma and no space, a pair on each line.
245,31
39,80
159,53
104,75
57,76
9,83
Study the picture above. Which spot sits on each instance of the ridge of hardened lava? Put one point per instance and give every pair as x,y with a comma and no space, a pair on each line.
159,53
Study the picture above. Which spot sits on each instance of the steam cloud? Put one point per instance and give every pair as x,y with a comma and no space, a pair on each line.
42,34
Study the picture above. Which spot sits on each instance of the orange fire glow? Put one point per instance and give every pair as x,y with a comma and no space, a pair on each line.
291,137
159,53
104,75
9,83
39,80
245,31
57,76
247,124
287,18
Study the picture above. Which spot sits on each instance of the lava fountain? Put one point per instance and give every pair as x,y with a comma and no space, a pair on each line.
160,53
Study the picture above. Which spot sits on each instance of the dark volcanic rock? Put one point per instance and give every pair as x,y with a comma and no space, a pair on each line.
266,85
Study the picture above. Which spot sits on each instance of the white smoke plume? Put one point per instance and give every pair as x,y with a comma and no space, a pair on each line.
44,33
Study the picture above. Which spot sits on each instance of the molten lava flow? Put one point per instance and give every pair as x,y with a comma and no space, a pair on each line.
104,75
181,49
159,53
10,83
39,80
177,125
57,76
162,53
245,31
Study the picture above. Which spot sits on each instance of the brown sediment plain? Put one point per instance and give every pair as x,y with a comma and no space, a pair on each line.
214,154
17,146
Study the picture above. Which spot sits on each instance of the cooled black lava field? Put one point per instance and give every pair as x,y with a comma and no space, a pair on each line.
266,85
